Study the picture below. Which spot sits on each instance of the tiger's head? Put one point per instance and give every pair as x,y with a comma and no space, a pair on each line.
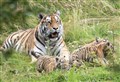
51,26
75,61
106,45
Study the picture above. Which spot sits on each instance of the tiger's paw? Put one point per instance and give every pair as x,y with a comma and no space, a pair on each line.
33,60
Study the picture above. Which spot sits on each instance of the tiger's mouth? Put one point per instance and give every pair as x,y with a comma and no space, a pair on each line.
53,35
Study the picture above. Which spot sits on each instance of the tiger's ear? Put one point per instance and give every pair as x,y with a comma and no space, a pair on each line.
57,59
108,43
40,16
58,12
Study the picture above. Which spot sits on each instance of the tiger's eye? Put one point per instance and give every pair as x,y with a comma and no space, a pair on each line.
77,60
57,21
49,22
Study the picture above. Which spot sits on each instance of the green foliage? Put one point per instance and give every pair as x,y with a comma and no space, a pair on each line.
83,21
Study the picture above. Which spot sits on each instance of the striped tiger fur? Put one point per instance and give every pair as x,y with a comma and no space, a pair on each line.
60,62
50,63
98,48
47,63
47,34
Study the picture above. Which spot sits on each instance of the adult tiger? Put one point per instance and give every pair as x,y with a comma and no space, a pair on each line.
99,48
47,34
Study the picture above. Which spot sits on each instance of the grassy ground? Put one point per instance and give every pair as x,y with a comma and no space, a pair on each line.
83,21
18,69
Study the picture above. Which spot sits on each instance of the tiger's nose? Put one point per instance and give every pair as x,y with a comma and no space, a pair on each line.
55,28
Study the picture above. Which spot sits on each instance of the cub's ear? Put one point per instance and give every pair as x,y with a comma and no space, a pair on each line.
97,39
57,59
40,16
58,12
108,43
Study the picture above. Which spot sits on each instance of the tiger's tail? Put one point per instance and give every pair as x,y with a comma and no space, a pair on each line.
1,49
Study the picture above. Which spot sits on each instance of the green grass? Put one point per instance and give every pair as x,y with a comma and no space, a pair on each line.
82,24
17,68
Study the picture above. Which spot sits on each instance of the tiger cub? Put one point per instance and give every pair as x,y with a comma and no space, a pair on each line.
98,48
47,63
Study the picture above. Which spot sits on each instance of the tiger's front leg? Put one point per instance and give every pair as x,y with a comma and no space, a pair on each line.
65,58
64,53
33,59
35,55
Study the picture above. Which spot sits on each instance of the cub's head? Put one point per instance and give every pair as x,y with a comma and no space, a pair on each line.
51,26
75,61
106,45
63,64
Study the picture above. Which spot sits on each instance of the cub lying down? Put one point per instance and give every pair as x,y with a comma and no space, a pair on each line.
50,63
47,63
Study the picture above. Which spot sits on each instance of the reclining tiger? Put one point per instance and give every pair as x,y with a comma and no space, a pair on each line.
99,48
48,33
